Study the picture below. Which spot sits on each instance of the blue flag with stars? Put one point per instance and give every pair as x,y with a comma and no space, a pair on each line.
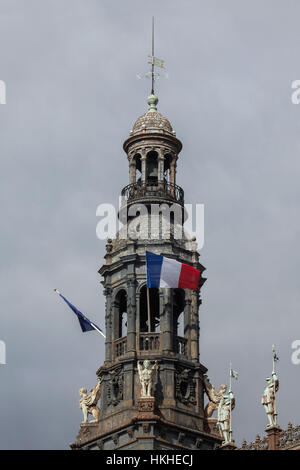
85,323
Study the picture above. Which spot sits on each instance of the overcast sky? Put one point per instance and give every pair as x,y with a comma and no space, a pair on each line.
72,97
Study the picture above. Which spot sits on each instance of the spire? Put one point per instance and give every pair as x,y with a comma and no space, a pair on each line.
155,62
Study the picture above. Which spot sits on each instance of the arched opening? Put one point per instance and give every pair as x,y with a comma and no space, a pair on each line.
154,310
178,312
167,166
121,314
180,342
138,165
152,168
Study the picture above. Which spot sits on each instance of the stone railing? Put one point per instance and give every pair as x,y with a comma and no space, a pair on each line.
149,341
259,444
180,345
289,438
120,346
141,190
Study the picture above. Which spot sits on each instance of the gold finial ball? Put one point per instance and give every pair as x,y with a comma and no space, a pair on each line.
152,101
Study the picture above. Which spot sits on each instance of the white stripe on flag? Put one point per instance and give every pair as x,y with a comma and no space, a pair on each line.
170,272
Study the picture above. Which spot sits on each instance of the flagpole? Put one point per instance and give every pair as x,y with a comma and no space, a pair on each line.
148,309
152,69
230,428
95,328
274,386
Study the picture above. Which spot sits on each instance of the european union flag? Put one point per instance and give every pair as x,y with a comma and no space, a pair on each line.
85,323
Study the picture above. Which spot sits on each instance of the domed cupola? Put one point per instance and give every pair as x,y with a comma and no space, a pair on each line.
152,150
152,121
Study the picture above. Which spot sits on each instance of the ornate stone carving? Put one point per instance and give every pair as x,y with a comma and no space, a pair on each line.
290,438
130,432
185,387
181,437
109,245
146,404
259,444
88,403
100,444
198,443
146,374
213,396
115,387
146,428
115,439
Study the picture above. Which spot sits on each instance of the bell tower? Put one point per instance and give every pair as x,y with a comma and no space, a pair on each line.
162,327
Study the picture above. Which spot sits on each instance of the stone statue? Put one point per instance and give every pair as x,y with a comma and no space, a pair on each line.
269,398
88,403
226,405
213,396
146,377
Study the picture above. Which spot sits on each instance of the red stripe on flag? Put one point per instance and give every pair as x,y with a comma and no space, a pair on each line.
189,277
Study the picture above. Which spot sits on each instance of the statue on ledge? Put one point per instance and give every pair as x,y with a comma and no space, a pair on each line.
88,403
146,377
213,396
225,407
269,398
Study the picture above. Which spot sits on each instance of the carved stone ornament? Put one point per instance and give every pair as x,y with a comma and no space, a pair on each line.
146,428
185,387
88,403
146,404
130,432
214,396
146,376
115,387
100,444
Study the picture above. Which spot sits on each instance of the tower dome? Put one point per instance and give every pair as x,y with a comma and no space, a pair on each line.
152,120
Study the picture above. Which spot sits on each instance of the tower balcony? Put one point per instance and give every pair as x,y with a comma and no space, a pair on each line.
150,343
153,190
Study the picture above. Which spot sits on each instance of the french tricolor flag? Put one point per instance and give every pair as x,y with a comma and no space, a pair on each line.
167,272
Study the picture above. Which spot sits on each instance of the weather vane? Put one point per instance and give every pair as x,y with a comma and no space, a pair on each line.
155,62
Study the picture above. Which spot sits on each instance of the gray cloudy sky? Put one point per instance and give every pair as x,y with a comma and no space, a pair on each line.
72,98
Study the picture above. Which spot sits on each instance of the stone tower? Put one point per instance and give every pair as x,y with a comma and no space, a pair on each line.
174,418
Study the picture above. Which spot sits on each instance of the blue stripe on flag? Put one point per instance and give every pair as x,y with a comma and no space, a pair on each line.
153,265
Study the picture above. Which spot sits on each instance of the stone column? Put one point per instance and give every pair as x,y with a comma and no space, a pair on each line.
160,168
108,325
273,433
173,170
132,170
144,164
131,315
194,322
187,325
167,324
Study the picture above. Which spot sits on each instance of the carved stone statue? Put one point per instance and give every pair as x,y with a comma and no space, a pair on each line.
146,377
269,398
226,405
88,403
213,396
